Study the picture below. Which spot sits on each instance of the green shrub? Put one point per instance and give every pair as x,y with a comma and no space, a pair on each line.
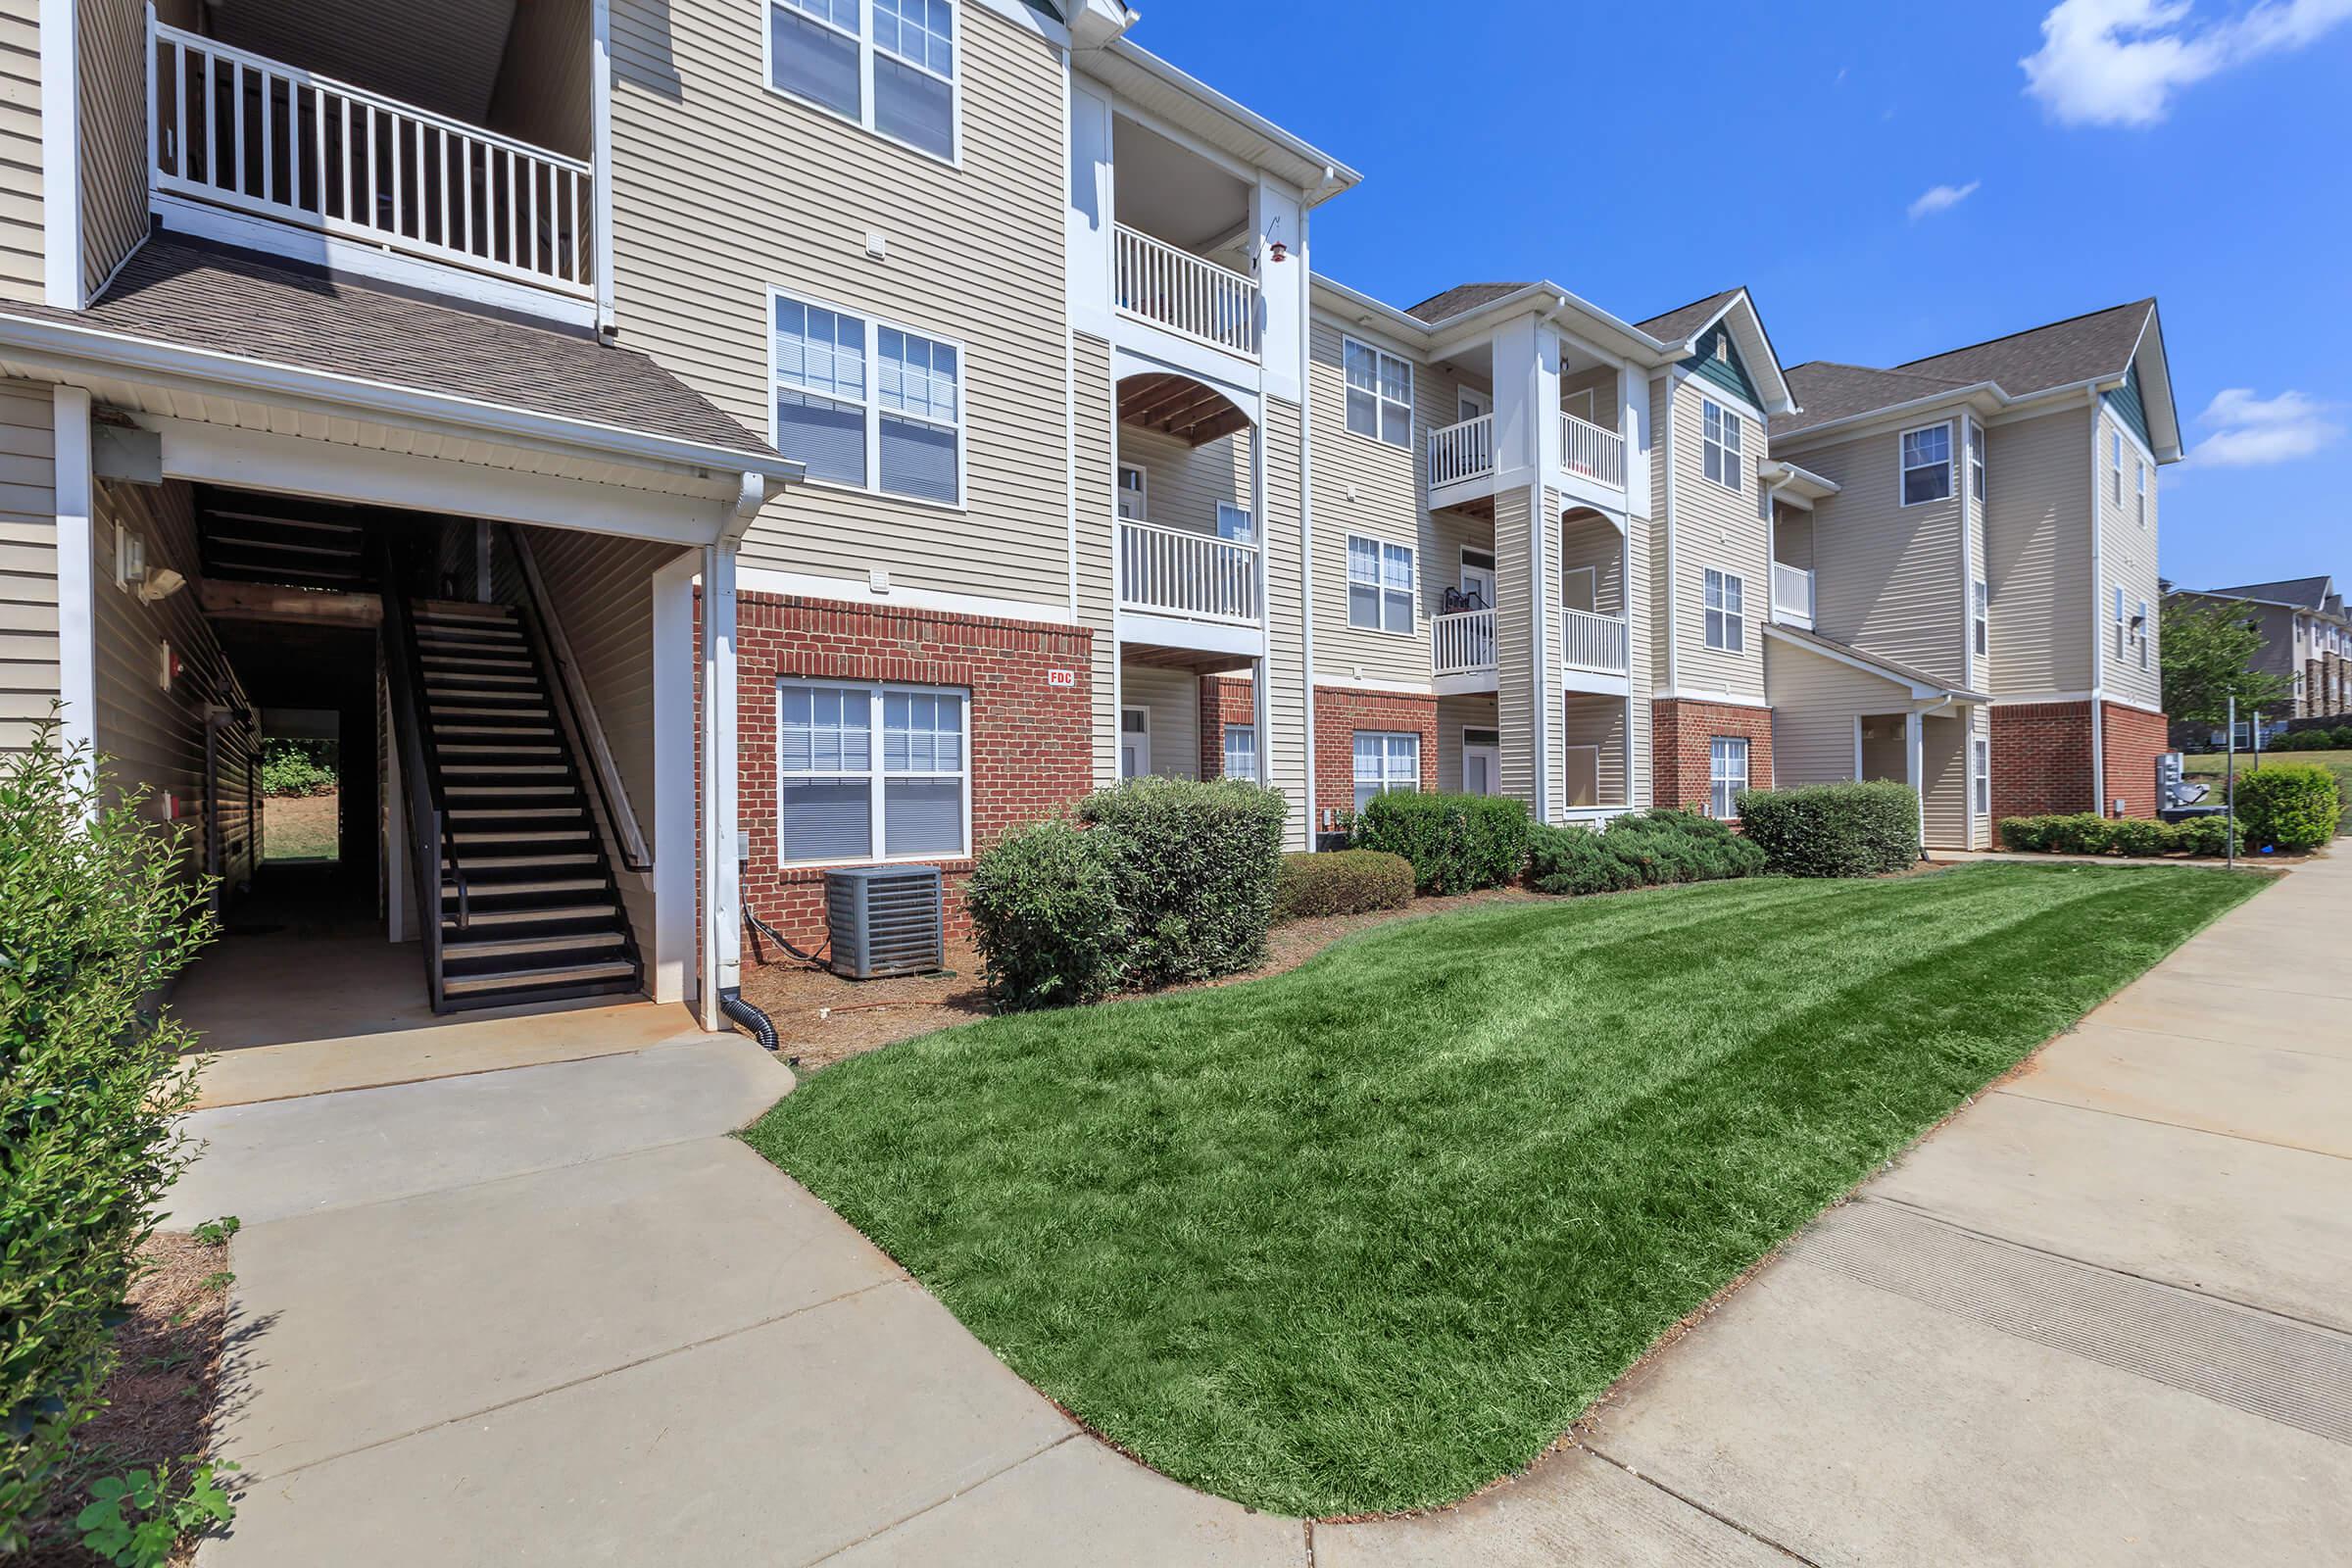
1196,864
1341,882
1833,829
1456,843
1580,860
2089,833
297,767
97,912
1660,848
2294,805
1046,918
2343,738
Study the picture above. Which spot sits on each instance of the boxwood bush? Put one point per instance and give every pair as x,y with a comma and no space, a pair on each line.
1046,918
2291,806
1632,851
1195,862
97,912
2089,833
1833,829
1341,882
1455,843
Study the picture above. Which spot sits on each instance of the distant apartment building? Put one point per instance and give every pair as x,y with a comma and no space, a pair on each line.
2306,639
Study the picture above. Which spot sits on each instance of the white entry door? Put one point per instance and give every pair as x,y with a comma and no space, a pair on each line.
1478,577
1135,742
1473,405
1482,763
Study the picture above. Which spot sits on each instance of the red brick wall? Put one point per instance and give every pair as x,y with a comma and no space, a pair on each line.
2042,759
1032,743
1342,710
1679,732
2132,738
1224,700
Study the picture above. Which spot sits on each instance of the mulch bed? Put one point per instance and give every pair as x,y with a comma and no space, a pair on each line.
164,1395
821,1018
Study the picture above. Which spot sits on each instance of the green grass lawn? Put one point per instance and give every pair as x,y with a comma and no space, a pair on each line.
1364,1236
2338,763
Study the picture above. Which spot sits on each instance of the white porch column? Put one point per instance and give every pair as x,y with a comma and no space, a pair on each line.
722,935
77,565
1915,764
676,715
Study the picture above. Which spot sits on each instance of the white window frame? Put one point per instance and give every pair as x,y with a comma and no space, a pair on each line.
1592,576
2114,464
1979,775
1720,777
2141,469
1228,508
1904,466
871,401
1979,485
863,120
1979,616
877,832
1591,404
1143,753
1725,621
2123,628
1490,749
1142,492
1378,584
1722,446
1390,781
2147,633
1381,401
1225,751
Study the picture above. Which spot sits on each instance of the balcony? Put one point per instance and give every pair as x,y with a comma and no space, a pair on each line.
1588,449
1793,595
1461,650
234,132
1461,452
1183,575
1185,294
1594,647
1460,455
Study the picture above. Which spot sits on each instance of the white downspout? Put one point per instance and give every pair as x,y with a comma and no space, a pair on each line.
1307,534
2098,640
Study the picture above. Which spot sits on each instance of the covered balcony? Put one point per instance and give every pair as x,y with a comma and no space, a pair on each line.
1463,459
1188,544
458,163
1793,595
1182,244
1595,637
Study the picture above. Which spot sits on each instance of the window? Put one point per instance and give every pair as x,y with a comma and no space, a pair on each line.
1233,522
2123,632
1927,465
1240,751
1380,585
2142,470
843,796
898,79
2147,634
1727,775
1384,761
1979,616
2115,462
1380,394
1976,459
1720,427
1726,604
1979,775
904,437
1135,494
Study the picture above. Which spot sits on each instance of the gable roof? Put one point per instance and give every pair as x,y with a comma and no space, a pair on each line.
2081,348
1684,320
1459,298
1827,391
2306,593
1876,663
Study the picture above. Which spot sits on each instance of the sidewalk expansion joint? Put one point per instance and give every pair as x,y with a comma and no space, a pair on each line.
2015,1092
1687,1502
939,1503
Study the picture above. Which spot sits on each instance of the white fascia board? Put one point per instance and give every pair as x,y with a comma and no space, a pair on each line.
1985,398
94,351
860,594
1550,301
1786,401
1021,16
1318,176
1803,485
2157,369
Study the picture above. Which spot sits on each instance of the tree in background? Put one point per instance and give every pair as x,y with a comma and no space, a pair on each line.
2209,653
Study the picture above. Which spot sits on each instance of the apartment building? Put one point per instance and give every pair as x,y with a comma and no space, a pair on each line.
2306,638
950,387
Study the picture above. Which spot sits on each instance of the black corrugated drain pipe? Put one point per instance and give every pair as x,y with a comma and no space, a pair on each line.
731,1003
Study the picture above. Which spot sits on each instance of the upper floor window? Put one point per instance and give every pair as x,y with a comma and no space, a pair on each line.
1726,606
866,405
1976,459
1720,436
1235,523
2123,629
1980,615
889,65
2143,492
1380,394
1135,493
1927,465
2147,634
1380,585
2115,462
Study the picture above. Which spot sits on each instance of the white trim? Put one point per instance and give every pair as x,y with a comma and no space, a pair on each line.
1857,748
877,776
869,402
1952,481
600,200
1379,584
1359,683
1720,699
1746,779
863,120
863,596
1731,619
721,906
1666,521
76,568
1241,640
1915,764
1142,492
1380,399
1970,513
673,807
1735,451
1142,741
62,257
2098,576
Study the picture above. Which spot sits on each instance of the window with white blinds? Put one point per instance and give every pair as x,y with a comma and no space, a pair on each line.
867,772
865,404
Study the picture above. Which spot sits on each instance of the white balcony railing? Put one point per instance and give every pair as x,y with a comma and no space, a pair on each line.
1592,451
237,130
1189,295
1793,592
1464,451
1174,571
1462,642
1595,642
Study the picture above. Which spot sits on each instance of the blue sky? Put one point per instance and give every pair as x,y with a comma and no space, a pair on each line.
2192,151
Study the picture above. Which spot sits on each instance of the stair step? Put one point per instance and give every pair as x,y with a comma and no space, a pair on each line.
475,985
523,769
534,814
535,793
476,711
476,888
462,609
475,863
442,694
577,945
608,913
520,836
479,679
469,640
479,730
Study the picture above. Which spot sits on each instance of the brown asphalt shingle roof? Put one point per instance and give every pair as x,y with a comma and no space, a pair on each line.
2309,592
1825,391
1896,671
2040,358
282,313
1459,298
1684,320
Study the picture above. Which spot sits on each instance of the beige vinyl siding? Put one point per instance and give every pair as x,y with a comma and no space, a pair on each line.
1598,722
154,738
28,649
1657,605
723,188
599,588
1640,638
1715,526
1555,642
22,264
1815,701
1602,382
546,90
1185,483
1284,751
2127,558
1450,533
2037,555
1943,780
114,135
1590,540
1475,711
1094,432
1888,577
1979,828
1371,489
1792,537
1514,640
1172,696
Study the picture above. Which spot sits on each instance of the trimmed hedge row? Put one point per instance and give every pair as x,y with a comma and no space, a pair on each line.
2293,806
1341,882
1455,843
2089,833
2313,740
1635,851
1833,829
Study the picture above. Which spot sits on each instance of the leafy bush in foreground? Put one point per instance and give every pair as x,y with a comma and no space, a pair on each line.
1046,918
1195,863
2089,833
1833,829
1632,851
1341,882
1455,843
2295,806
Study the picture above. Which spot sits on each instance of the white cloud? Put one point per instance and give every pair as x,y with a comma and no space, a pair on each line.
2119,61
1942,199
2250,431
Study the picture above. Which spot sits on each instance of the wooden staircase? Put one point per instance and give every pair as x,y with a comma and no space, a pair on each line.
529,909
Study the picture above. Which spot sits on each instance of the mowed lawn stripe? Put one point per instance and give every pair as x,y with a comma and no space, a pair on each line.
1364,1236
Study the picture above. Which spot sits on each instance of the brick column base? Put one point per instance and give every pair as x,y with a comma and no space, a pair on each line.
2042,759
2132,738
1342,710
1681,758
